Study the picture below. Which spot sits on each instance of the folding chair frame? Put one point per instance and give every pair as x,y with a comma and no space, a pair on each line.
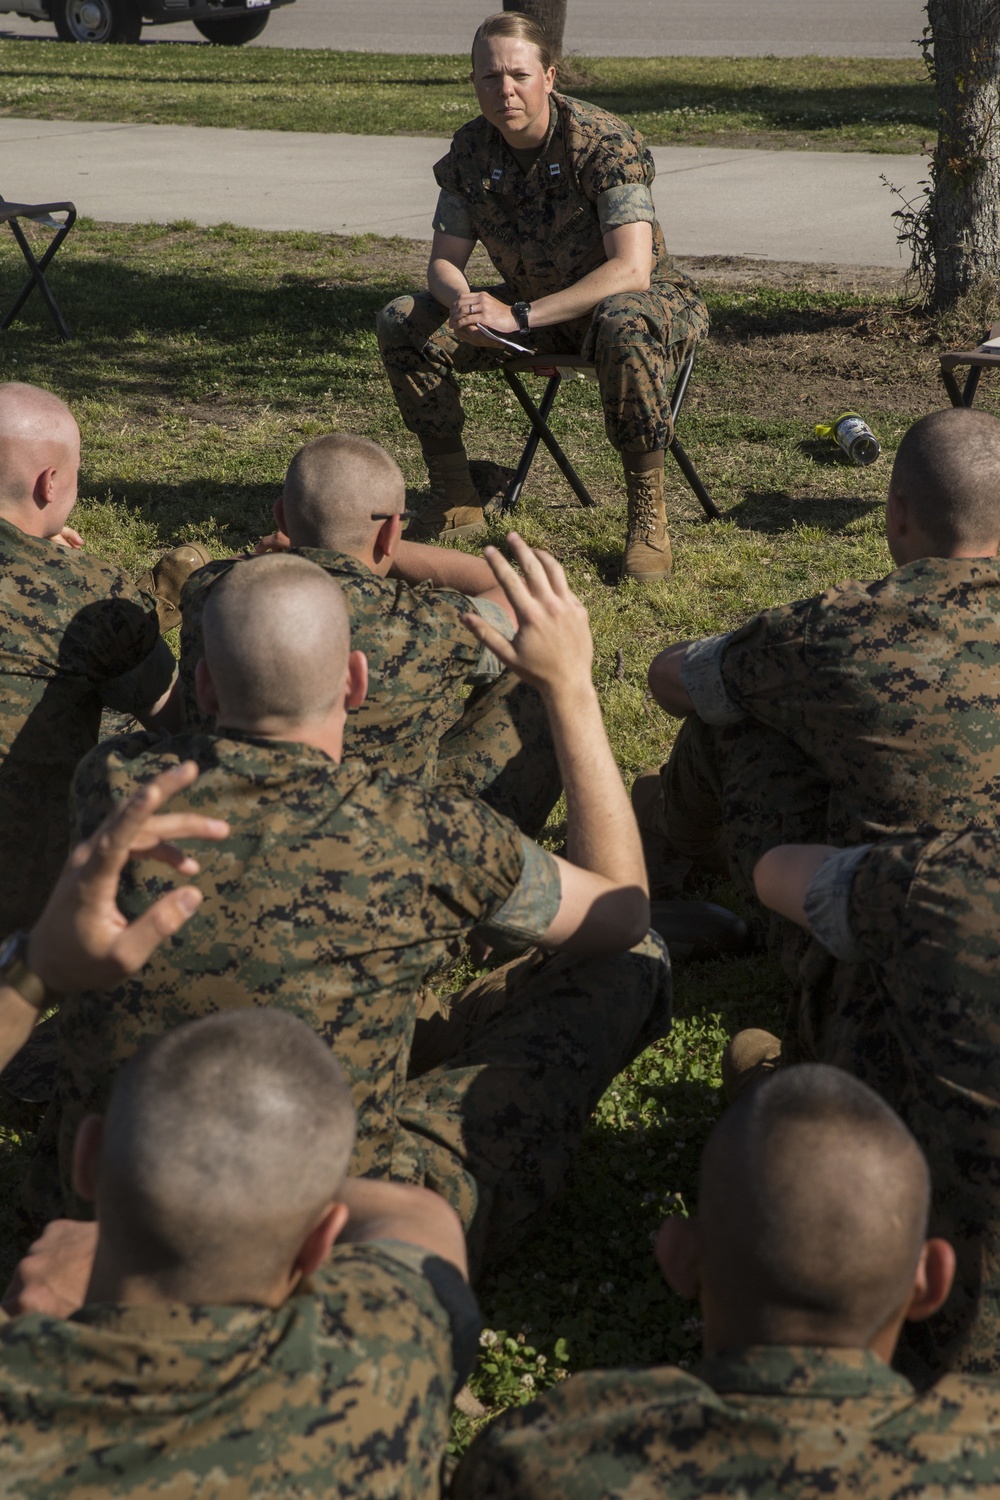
978,360
538,416
10,213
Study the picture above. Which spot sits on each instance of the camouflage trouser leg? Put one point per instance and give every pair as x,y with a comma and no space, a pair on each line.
511,1077
739,790
422,357
744,785
637,340
501,751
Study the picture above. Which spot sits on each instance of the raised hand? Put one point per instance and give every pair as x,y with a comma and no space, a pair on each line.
82,940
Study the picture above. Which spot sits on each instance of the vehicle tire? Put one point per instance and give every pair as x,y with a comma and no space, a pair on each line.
96,20
233,33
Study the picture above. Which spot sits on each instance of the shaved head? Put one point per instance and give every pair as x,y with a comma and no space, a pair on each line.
947,473
277,637
38,433
333,487
812,1210
223,1143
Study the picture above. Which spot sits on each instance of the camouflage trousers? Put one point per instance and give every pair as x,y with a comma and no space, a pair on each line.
731,793
635,340
501,751
502,1086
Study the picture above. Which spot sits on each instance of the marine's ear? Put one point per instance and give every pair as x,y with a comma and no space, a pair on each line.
87,1157
204,688
356,685
677,1255
932,1280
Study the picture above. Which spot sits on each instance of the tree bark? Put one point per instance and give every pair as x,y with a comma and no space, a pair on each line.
550,15
965,171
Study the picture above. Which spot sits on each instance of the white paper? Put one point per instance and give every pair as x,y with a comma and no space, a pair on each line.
990,344
498,338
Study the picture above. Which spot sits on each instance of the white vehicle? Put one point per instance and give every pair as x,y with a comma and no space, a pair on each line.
230,23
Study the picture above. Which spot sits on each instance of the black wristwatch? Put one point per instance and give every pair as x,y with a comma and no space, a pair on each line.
521,311
14,972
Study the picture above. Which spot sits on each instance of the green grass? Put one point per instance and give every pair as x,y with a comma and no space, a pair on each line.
204,358
828,103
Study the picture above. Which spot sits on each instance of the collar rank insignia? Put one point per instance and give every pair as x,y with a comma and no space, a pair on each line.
554,169
497,175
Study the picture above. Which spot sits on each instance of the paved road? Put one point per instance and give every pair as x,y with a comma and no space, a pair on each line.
620,28
781,205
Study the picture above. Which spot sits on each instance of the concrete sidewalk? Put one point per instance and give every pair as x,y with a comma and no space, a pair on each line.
778,205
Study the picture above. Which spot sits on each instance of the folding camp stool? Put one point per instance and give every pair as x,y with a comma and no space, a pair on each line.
977,360
553,365
41,213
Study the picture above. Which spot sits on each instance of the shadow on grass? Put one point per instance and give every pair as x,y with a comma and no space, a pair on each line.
109,299
775,511
234,515
587,1274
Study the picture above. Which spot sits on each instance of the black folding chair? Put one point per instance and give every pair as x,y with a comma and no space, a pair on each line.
39,213
977,360
552,365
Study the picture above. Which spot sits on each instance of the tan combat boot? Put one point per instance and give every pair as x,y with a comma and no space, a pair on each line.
166,579
453,508
647,545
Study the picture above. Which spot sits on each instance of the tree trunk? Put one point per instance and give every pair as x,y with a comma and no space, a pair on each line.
965,171
550,15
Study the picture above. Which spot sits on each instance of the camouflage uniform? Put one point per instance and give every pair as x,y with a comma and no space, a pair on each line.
496,745
890,693
544,231
338,893
802,1423
926,917
345,1390
71,630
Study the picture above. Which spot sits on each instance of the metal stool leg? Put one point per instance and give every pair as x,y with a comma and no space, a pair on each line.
516,485
687,468
536,417
971,385
37,277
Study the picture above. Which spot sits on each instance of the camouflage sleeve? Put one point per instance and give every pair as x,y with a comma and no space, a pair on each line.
453,1293
701,674
827,903
632,203
529,911
881,925
114,635
417,1297
134,692
489,667
765,669
618,159
451,216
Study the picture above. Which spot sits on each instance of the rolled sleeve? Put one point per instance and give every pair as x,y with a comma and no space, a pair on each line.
632,203
530,909
827,903
701,674
451,216
489,666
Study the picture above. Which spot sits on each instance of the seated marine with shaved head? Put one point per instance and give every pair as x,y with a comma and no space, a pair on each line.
75,636
343,507
341,889
807,1255
242,1318
867,710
